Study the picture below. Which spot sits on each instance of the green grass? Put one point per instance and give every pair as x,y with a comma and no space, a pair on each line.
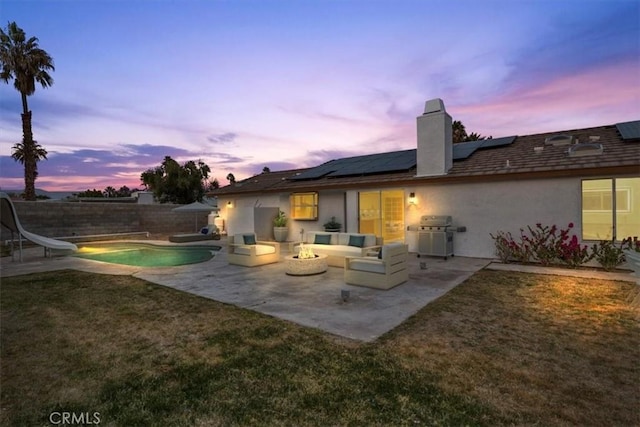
500,349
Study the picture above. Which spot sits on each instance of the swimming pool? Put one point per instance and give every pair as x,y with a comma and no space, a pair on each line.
146,254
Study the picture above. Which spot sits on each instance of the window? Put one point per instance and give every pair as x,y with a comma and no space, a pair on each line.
607,217
599,201
304,206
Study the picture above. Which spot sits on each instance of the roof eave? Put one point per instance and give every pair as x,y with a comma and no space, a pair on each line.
630,170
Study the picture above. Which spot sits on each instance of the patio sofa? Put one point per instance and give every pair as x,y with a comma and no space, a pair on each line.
244,249
209,232
385,271
339,245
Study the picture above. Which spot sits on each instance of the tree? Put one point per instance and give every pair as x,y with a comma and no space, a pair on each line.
110,192
125,191
266,169
213,185
231,178
23,61
18,154
90,193
175,183
459,133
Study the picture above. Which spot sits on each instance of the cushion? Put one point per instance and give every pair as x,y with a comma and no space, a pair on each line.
369,239
249,239
368,265
260,250
334,250
383,251
205,230
357,241
311,237
322,239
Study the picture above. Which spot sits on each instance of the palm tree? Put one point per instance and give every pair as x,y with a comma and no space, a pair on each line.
110,192
18,154
22,61
459,131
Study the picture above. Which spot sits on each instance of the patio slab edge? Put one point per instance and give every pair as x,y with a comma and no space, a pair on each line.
559,271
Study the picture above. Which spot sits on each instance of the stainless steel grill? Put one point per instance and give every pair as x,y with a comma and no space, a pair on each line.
435,236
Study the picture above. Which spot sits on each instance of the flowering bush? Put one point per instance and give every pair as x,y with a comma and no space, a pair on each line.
508,249
551,245
572,254
544,244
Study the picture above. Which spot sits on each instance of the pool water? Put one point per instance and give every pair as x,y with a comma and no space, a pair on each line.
146,255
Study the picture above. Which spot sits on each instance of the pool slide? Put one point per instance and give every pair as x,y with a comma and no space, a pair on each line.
9,219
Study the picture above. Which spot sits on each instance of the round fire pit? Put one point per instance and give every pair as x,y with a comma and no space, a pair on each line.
305,266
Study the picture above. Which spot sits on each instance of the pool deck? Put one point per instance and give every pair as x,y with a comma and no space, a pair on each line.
313,301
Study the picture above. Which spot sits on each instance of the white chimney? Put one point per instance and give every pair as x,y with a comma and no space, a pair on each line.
435,150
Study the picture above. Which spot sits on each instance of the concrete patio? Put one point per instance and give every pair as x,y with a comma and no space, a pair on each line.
314,301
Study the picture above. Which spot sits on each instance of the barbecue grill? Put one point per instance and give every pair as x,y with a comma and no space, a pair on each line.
435,236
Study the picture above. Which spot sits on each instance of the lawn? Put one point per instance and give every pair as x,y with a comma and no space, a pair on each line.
502,348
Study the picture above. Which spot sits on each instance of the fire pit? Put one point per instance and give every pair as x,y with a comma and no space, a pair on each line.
306,263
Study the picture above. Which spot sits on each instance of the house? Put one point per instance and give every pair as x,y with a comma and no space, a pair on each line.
588,177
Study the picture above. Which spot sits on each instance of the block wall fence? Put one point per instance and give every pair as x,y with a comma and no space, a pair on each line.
63,219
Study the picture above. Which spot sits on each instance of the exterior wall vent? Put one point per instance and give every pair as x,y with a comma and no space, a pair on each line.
557,140
585,149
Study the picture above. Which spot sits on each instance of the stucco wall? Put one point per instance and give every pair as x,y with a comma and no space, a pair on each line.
482,208
62,219
488,207
241,215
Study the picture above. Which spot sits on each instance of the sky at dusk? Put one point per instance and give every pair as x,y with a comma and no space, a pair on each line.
285,84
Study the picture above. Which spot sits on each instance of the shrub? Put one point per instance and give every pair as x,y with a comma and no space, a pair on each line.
506,248
608,254
631,243
572,254
544,244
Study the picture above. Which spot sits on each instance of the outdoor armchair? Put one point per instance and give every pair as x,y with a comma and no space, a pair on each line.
244,249
387,270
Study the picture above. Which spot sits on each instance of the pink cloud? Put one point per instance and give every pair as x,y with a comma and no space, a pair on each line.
598,96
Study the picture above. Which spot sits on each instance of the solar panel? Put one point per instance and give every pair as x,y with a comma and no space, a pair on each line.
629,130
463,150
392,162
377,163
498,142
363,165
318,171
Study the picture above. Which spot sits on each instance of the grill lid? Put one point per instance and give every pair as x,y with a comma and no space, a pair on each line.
435,220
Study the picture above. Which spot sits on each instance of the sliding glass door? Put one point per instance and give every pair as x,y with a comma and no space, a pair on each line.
382,213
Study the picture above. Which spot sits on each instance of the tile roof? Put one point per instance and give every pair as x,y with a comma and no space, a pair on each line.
513,161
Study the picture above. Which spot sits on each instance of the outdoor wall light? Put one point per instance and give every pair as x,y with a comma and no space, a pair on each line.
412,198
229,204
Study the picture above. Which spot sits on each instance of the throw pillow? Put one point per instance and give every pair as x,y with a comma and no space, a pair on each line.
205,230
357,241
322,239
249,239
